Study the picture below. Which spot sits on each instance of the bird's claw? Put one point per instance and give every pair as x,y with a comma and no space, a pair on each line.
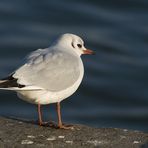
66,127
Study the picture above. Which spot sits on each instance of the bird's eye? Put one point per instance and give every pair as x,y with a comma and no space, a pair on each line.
79,45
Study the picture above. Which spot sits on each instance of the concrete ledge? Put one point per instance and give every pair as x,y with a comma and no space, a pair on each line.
20,134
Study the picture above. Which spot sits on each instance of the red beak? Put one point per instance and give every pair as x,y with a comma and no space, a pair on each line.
88,51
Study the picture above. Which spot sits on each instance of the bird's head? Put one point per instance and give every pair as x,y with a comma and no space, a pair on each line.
73,42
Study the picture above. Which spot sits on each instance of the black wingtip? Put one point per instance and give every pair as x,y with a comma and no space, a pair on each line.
10,81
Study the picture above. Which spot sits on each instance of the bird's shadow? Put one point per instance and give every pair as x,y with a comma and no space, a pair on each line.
50,124
35,122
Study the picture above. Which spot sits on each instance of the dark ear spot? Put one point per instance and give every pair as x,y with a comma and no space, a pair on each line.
72,45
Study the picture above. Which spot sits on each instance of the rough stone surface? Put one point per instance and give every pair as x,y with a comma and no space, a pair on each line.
21,134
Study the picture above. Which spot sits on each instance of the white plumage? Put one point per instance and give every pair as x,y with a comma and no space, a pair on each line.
52,74
49,75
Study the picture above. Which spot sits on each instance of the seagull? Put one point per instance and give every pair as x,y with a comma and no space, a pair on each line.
49,75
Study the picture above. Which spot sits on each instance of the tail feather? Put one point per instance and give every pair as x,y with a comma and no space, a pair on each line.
1,81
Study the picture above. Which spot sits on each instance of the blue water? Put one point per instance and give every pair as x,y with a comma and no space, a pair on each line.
114,91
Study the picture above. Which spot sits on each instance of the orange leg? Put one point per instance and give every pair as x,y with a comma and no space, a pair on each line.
59,115
40,115
41,123
60,125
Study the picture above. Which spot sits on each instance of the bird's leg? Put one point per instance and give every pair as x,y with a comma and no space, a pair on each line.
40,115
60,125
40,121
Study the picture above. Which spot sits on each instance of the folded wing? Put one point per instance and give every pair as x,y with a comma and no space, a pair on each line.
54,71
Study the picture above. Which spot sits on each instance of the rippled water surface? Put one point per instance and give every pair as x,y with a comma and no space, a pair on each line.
114,91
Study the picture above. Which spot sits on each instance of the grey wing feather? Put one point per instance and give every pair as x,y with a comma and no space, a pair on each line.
54,70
